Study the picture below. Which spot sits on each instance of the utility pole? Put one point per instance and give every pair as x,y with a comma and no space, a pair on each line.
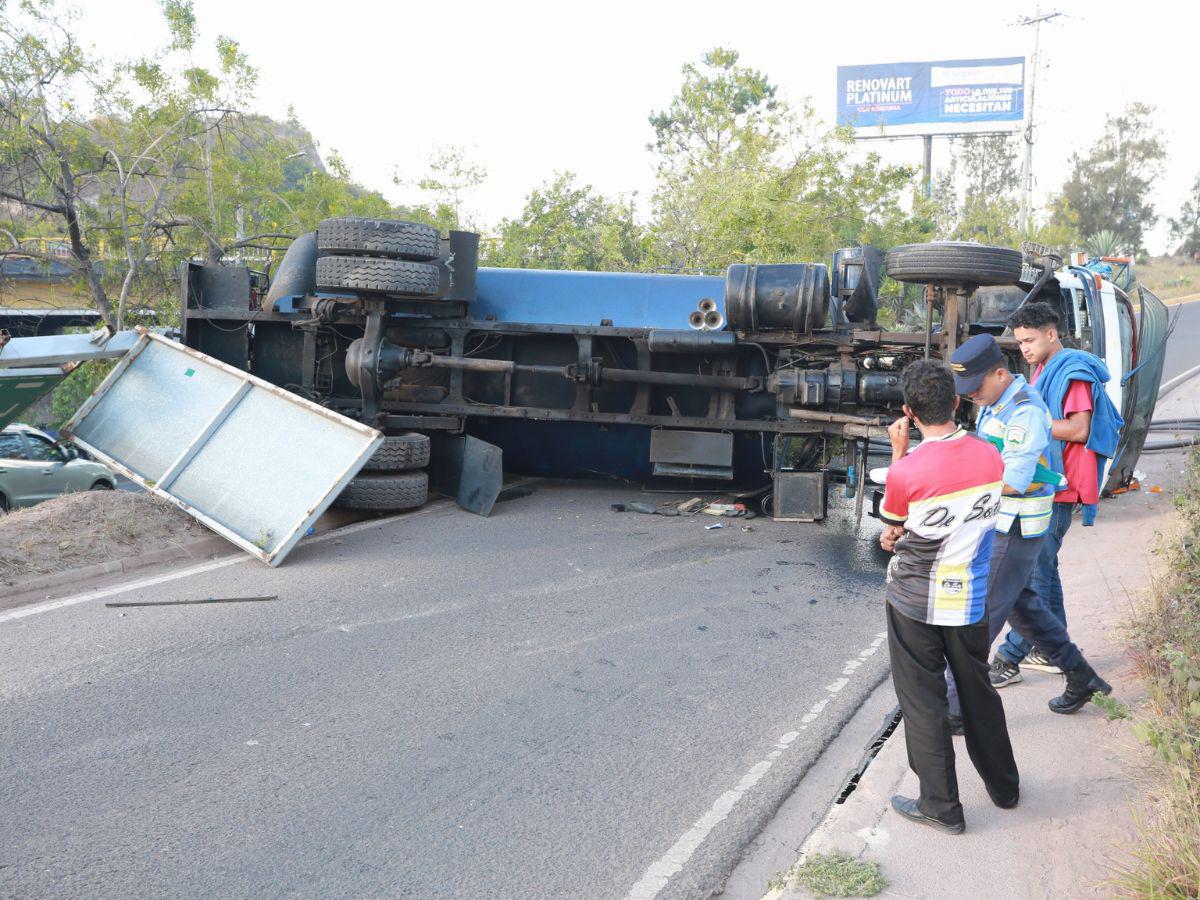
927,181
1036,21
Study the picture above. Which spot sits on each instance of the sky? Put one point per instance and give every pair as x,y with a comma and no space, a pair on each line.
531,88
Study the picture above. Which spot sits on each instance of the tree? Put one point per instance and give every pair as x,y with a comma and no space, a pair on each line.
986,209
744,177
451,177
566,225
723,110
105,148
1109,188
1186,227
145,161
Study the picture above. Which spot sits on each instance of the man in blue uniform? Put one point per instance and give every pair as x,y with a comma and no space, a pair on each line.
1012,414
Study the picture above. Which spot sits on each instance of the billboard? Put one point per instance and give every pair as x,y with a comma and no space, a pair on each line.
947,97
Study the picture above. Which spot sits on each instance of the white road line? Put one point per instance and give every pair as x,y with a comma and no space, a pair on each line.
656,877
35,609
811,715
837,685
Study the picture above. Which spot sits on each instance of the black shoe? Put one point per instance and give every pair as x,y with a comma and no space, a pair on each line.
1038,660
1082,683
1003,672
1008,804
908,808
956,724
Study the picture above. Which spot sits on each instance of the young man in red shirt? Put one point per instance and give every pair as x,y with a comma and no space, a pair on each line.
1084,434
939,509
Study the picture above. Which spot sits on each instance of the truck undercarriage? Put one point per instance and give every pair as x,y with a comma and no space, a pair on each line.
774,375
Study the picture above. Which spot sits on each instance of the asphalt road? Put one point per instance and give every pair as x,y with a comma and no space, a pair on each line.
1182,346
558,701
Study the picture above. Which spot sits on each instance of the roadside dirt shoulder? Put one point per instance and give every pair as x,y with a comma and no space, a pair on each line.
83,529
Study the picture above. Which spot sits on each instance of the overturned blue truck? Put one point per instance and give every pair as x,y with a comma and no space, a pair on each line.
773,380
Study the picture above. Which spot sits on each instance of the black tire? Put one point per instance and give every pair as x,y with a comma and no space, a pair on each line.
101,486
3,505
385,276
391,238
400,453
954,262
385,491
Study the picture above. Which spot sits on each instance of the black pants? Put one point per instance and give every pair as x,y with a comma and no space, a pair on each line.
920,654
1012,598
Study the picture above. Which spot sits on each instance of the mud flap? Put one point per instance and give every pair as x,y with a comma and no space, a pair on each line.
467,469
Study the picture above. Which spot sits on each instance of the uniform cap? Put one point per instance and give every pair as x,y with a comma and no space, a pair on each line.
971,362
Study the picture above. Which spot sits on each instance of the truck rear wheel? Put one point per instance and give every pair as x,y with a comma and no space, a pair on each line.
385,491
400,453
954,262
372,274
390,238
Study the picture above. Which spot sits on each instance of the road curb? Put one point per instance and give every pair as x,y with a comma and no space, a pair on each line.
200,547
1167,386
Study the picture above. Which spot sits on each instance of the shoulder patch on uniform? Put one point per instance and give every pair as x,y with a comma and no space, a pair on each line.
1014,436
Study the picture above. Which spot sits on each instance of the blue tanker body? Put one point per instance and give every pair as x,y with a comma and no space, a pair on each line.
617,299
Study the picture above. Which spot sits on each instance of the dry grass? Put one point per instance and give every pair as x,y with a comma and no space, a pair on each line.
1164,641
85,528
1170,276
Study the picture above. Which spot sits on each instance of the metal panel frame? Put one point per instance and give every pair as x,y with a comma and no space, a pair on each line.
250,382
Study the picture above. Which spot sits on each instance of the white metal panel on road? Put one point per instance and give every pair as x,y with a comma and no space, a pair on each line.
253,462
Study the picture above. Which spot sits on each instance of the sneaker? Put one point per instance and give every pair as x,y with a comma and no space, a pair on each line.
1003,672
1036,659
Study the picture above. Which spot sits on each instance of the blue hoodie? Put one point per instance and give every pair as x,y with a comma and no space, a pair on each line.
1069,365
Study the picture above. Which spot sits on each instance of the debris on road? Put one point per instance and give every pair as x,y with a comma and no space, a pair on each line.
713,526
691,506
730,510
185,426
206,600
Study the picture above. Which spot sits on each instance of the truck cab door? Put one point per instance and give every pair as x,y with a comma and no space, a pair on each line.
1143,337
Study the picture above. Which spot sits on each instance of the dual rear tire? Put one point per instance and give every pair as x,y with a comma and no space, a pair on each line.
390,482
379,256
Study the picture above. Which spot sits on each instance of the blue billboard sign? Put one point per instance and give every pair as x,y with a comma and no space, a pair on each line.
933,97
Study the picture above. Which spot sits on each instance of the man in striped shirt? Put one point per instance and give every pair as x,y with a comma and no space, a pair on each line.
940,509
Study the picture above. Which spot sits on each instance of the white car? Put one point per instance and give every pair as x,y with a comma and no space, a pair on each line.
34,467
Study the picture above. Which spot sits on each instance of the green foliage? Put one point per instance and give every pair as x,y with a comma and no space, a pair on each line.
988,209
1164,642
566,225
143,163
451,177
1103,243
745,177
181,23
1110,187
1186,227
722,111
977,198
834,875
75,389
